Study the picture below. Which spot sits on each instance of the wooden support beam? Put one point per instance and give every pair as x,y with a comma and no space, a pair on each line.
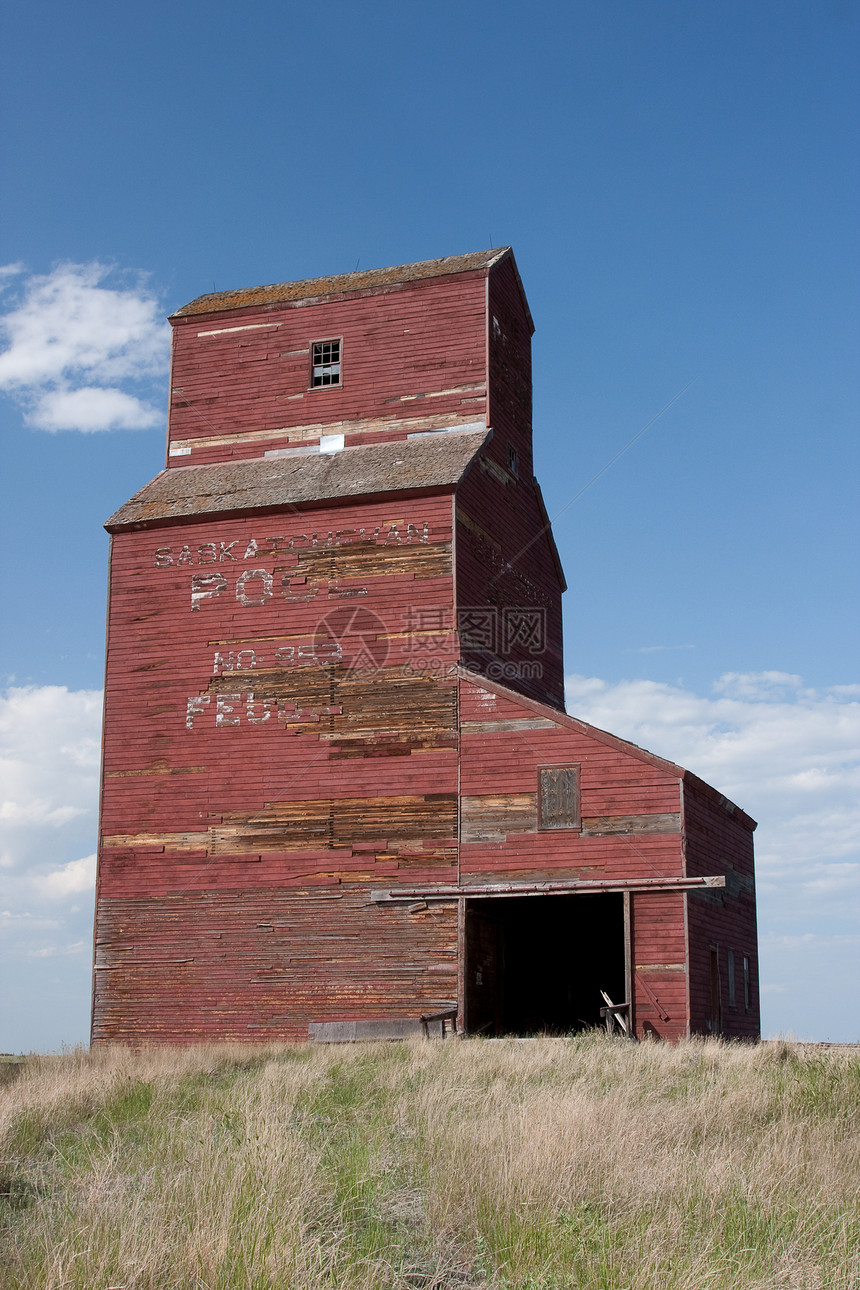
616,1014
571,887
628,958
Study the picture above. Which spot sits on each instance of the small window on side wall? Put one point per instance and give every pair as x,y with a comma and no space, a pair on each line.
731,976
325,363
558,797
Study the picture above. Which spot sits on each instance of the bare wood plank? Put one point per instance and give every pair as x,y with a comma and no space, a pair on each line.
628,957
510,726
491,817
598,826
572,886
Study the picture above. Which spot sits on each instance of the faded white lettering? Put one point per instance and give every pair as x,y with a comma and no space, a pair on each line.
298,588
264,591
251,713
205,587
236,709
220,551
197,704
318,654
225,710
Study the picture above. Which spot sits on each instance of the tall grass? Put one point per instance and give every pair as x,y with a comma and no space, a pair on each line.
548,1164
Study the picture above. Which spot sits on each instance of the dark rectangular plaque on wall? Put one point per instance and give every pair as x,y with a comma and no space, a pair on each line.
558,797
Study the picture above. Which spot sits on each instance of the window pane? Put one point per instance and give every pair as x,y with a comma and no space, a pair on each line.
559,797
325,362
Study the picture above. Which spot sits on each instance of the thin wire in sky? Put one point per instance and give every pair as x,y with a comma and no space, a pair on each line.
546,527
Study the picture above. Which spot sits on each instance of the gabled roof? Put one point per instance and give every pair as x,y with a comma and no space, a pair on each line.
429,462
612,741
365,280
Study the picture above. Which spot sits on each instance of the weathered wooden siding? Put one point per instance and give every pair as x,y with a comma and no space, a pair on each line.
415,350
508,574
266,730
509,330
508,593
630,821
263,963
287,728
719,839
659,965
630,827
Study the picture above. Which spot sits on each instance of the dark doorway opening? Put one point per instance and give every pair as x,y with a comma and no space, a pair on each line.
537,964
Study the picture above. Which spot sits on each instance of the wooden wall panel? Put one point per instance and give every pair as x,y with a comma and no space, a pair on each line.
509,330
263,963
630,806
720,840
659,965
539,858
508,591
630,828
417,349
507,567
290,725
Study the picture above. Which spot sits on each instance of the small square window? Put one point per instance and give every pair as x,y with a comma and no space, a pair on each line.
558,797
513,460
325,363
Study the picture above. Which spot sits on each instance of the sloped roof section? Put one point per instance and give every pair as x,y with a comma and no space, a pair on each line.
613,741
366,280
430,462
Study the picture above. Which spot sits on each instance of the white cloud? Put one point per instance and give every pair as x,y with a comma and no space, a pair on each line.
50,743
69,880
763,740
10,921
91,409
72,338
37,811
59,951
758,685
10,271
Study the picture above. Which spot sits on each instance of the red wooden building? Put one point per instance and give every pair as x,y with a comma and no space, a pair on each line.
340,791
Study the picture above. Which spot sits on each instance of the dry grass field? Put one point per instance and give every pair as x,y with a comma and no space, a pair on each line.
545,1164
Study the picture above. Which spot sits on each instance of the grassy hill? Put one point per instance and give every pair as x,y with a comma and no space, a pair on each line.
549,1163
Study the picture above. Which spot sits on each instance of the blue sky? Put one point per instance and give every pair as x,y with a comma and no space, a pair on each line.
679,184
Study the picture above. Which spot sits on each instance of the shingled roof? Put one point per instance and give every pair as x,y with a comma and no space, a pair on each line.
426,463
366,280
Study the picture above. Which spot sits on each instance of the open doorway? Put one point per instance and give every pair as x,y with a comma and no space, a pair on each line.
537,964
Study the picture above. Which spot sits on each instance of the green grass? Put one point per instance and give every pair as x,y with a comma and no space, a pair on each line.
502,1166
